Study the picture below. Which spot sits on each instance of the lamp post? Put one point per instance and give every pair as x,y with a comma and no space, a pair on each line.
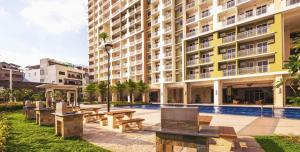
108,46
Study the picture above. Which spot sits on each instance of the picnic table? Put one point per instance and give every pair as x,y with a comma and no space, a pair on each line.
95,110
114,117
204,120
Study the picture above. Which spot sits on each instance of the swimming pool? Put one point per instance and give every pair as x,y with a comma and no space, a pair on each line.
292,113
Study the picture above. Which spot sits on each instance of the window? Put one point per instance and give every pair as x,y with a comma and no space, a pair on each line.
262,47
205,28
230,19
42,72
261,10
60,80
61,73
249,13
262,66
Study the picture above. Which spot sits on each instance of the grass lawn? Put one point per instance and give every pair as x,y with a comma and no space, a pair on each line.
25,135
279,143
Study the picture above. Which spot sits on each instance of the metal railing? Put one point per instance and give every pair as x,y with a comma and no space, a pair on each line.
227,56
228,39
205,75
254,32
254,69
191,48
252,51
205,60
205,45
229,72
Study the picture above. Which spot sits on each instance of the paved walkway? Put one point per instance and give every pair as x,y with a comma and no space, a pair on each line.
144,141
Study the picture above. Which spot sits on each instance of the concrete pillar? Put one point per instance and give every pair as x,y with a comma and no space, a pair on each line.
279,93
163,93
68,97
146,97
114,97
218,92
187,93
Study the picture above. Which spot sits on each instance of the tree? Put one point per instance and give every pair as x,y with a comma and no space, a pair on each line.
4,94
142,87
37,96
101,89
103,36
130,87
90,91
118,88
293,66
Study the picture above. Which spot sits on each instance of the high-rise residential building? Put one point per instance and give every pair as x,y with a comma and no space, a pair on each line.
52,71
10,71
197,51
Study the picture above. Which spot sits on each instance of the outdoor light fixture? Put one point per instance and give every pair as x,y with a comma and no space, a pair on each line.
107,47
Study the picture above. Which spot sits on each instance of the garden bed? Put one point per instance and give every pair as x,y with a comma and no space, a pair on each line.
25,135
279,143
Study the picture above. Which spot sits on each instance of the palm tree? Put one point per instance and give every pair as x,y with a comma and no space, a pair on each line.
90,90
130,87
119,89
101,89
103,36
142,88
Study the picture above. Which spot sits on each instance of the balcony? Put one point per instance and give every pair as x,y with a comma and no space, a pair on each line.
168,54
192,33
206,28
231,72
155,81
205,14
254,32
191,48
228,22
205,60
205,45
228,56
190,5
228,39
228,5
168,67
205,75
192,62
254,69
192,76
155,57
168,79
292,2
242,1
155,45
167,16
191,19
167,3
253,13
167,42
155,10
252,51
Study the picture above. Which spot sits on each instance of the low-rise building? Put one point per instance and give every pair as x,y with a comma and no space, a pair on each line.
52,71
6,68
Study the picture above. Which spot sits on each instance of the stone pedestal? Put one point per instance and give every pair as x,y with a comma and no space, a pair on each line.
44,116
69,124
29,112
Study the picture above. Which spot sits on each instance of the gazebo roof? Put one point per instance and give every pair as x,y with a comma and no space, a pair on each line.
58,86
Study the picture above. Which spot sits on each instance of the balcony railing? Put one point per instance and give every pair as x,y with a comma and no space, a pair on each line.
191,19
254,32
191,48
155,45
253,13
205,45
228,39
192,33
228,22
205,75
191,62
155,81
168,54
169,41
168,79
252,51
231,72
205,60
167,3
155,57
292,2
192,76
254,69
205,14
227,56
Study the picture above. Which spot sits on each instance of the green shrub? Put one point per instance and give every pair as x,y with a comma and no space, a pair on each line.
11,106
125,103
3,132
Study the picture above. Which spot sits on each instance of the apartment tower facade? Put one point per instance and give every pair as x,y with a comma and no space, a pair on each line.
197,51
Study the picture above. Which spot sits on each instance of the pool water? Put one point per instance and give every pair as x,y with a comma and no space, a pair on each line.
292,113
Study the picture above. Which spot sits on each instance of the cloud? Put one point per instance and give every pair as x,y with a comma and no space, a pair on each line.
57,16
3,13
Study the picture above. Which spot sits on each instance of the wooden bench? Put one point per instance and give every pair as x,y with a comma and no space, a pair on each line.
124,124
204,120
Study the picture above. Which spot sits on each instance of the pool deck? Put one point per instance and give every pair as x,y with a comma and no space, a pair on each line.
245,126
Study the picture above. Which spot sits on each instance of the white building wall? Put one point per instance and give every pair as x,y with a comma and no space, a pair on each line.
32,75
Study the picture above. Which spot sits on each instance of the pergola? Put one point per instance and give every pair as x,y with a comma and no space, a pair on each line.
71,92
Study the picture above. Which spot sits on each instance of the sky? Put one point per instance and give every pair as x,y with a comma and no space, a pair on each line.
35,29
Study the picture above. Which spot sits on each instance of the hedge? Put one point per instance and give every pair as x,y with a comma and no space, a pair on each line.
11,106
3,132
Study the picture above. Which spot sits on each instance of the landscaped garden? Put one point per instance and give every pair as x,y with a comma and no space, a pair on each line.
25,135
279,143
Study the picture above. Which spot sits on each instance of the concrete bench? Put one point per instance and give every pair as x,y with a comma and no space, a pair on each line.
125,124
103,121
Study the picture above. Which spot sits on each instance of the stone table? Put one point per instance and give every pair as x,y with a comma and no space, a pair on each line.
68,124
29,112
44,116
